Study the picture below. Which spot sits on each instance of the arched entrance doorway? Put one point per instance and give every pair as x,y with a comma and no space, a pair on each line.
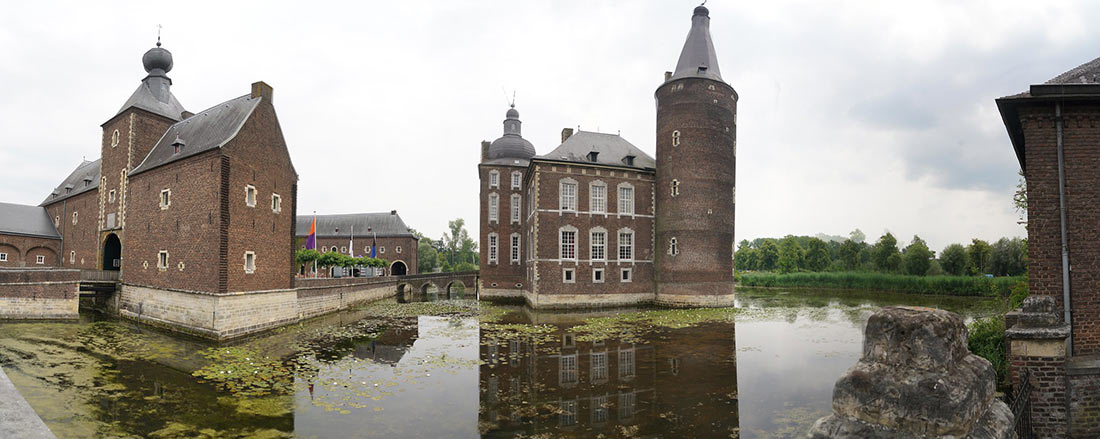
398,269
112,252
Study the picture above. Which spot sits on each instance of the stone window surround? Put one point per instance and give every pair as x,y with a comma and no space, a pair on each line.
562,244
517,202
111,196
494,179
676,138
40,259
276,203
57,221
592,243
3,257
165,199
626,275
162,260
114,139
74,218
675,187
494,208
625,231
673,246
567,203
569,275
72,256
626,204
494,246
597,204
249,262
515,242
381,249
517,180
600,272
250,195
398,249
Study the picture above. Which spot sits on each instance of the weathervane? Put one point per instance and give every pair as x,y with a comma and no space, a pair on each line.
158,34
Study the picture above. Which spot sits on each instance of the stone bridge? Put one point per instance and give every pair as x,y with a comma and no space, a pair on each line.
449,285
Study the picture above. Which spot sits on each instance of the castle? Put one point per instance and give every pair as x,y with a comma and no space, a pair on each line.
599,222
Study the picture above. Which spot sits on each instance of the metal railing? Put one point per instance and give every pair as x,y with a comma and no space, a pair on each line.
1021,407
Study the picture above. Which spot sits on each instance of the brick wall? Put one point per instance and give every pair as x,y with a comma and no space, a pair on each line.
1084,403
39,293
1081,143
1047,362
701,218
81,237
407,253
138,131
22,251
502,275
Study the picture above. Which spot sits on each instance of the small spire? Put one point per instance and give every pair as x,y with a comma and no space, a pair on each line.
158,33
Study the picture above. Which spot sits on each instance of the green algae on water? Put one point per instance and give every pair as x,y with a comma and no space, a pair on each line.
244,372
631,327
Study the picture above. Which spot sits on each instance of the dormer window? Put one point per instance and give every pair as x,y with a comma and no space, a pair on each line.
87,182
177,145
628,160
593,155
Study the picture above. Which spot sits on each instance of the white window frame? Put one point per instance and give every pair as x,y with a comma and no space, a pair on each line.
276,203
162,260
3,257
595,243
567,202
381,249
517,202
343,249
114,139
597,197
398,249
626,204
627,249
249,262
74,218
40,259
562,253
515,241
250,195
569,275
602,275
57,220
517,180
494,245
165,199
494,179
111,196
72,256
673,246
675,187
676,138
598,362
626,275
494,208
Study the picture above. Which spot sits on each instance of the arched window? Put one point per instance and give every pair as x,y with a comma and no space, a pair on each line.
673,249
494,207
676,138
74,218
675,187
114,139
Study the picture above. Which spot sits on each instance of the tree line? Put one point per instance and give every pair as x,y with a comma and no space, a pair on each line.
454,251
1005,257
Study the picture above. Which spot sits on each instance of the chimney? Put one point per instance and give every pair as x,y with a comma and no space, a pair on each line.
484,150
668,75
565,133
261,89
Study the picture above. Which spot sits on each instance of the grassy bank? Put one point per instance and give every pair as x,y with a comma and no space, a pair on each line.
945,285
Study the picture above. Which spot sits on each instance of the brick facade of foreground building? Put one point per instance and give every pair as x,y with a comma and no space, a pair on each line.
1054,130
597,221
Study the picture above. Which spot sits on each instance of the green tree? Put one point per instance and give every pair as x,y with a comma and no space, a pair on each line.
426,256
954,260
769,255
1008,257
747,258
886,255
306,257
917,258
817,255
857,236
460,248
849,254
1019,199
979,253
790,255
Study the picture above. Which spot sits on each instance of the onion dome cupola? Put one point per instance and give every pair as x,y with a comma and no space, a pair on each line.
154,94
698,58
511,144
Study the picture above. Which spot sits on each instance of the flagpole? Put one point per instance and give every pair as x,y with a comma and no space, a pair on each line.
315,243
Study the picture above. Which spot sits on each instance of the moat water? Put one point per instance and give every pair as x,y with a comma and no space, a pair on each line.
457,369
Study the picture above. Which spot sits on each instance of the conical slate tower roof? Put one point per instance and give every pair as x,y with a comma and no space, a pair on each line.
698,58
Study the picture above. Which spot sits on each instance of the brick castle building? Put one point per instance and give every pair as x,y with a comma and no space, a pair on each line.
597,221
357,232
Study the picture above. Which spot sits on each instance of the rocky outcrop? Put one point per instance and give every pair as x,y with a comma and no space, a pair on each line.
916,379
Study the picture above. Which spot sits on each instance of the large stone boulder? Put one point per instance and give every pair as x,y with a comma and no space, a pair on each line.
916,379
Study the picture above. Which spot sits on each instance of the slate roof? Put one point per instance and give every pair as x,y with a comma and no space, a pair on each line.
612,149
388,224
74,184
146,98
698,58
19,219
209,129
1087,73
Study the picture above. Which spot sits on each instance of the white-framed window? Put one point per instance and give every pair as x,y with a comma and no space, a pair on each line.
599,405
493,248
626,404
567,194
568,367
276,203
673,248
250,195
599,366
676,138
567,238
40,259
597,197
569,275
675,187
517,179
398,249
74,218
381,249
494,207
626,363
597,239
515,248
626,245
3,257
57,221
494,179
626,199
249,262
114,139
165,198
568,416
72,257
343,249
597,275
111,196
517,201
162,260
626,275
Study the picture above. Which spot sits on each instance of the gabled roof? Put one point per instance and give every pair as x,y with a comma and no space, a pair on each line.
611,150
698,58
19,219
388,224
74,184
146,99
209,129
1087,73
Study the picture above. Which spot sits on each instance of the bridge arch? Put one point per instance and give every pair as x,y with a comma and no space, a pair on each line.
456,289
14,256
429,288
399,268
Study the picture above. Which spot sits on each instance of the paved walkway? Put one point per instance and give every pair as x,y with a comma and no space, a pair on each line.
17,418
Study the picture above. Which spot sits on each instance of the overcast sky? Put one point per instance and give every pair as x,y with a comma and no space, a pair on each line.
876,115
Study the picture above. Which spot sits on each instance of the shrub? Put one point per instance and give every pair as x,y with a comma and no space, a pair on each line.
987,340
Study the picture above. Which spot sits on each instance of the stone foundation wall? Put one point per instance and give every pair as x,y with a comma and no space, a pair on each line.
39,293
1084,397
559,301
329,295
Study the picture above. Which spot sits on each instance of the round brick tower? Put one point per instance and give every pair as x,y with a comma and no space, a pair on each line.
696,158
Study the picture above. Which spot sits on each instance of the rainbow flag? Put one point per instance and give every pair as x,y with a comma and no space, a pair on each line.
311,240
